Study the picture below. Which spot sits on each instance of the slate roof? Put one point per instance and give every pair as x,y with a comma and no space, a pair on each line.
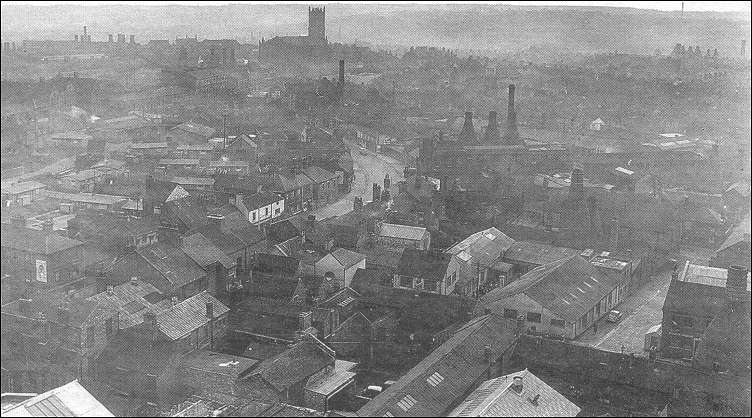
699,290
497,398
149,145
178,161
430,387
740,233
69,400
293,366
187,211
282,231
537,253
423,264
215,363
34,241
129,299
568,287
483,247
318,174
21,187
192,181
79,311
188,315
414,233
201,250
273,286
195,128
259,200
272,263
347,258
172,263
367,281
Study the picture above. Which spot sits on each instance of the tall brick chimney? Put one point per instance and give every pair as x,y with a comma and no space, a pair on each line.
341,72
133,39
492,130
577,186
109,38
512,135
736,284
468,132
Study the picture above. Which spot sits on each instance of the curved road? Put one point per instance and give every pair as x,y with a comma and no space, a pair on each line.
369,168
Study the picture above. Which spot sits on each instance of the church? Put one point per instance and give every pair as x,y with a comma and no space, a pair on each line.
290,48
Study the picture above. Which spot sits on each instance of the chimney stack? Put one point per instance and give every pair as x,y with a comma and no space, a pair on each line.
341,73
387,182
133,39
109,38
304,320
358,203
517,384
84,32
209,310
468,131
376,192
577,185
613,241
492,130
75,38
736,284
512,135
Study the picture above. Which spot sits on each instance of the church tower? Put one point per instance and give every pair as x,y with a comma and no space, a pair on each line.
317,24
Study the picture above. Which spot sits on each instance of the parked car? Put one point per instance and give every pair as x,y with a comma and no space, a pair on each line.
613,316
371,391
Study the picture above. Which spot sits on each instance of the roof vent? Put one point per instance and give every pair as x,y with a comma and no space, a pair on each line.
534,399
517,384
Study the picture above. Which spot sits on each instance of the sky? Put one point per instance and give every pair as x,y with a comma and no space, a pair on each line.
690,6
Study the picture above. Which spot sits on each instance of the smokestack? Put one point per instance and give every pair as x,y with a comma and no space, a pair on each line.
84,31
577,185
468,132
376,192
387,182
75,37
511,136
613,241
736,284
109,38
341,72
492,130
133,39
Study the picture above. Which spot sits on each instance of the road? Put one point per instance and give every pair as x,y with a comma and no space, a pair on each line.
369,168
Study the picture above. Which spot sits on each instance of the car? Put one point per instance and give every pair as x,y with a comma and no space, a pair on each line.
613,316
371,391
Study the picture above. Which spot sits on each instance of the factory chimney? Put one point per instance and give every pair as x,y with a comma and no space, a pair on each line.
133,39
736,284
341,73
468,132
492,130
511,136
577,186
109,38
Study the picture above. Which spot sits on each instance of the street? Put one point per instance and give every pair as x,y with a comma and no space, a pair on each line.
370,168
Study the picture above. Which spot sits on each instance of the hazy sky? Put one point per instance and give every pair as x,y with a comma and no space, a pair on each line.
691,6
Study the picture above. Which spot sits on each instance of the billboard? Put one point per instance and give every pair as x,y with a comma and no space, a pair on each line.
42,271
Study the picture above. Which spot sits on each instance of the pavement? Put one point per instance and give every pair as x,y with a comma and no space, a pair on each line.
641,310
369,168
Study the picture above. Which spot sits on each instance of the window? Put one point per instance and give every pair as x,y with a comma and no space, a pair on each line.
510,313
435,379
407,402
557,323
533,317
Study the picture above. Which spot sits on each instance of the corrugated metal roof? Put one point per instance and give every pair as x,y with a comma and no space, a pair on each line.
460,361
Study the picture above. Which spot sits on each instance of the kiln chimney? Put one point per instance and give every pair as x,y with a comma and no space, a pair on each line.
511,136
492,130
468,132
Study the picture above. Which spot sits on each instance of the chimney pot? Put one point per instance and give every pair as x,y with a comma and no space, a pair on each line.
134,281
517,384
110,290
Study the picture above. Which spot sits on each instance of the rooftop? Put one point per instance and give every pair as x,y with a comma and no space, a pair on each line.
414,233
33,241
189,315
498,398
537,253
69,400
347,258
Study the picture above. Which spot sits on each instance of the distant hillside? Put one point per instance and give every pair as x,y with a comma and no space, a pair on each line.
455,26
